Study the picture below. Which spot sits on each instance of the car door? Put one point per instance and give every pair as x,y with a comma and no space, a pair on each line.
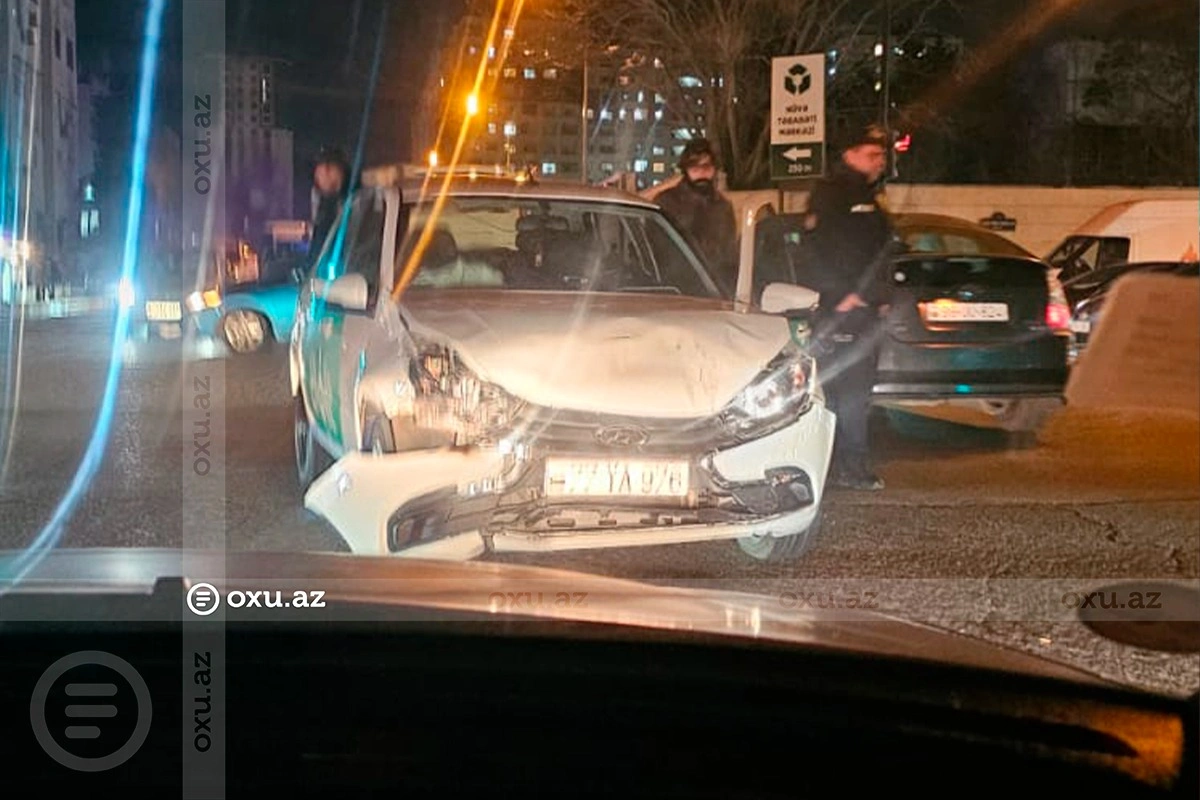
333,336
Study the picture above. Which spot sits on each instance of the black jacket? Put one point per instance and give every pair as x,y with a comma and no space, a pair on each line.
848,248
709,221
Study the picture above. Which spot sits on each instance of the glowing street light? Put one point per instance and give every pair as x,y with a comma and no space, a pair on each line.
472,104
433,158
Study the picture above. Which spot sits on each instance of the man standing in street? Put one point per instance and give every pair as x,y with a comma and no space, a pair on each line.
847,255
331,182
702,212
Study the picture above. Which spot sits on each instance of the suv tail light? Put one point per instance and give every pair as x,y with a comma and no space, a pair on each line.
1058,316
1058,313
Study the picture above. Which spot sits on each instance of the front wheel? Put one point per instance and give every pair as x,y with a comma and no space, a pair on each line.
781,549
311,458
244,331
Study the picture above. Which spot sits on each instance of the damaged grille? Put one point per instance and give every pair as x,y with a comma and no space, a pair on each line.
522,507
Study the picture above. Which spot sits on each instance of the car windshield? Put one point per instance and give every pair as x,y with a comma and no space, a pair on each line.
498,242
613,288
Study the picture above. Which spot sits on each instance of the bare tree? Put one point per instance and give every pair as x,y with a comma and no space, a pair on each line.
726,47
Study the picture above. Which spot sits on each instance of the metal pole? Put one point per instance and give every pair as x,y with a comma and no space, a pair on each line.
885,79
583,123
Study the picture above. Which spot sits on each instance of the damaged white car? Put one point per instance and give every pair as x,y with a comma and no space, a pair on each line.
560,371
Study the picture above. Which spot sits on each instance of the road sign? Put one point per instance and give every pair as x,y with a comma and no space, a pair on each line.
798,117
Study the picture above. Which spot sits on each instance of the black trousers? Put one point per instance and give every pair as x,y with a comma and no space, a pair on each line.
849,370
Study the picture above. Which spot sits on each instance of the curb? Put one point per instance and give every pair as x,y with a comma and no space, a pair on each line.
59,309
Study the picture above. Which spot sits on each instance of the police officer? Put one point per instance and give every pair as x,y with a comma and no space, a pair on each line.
847,252
703,212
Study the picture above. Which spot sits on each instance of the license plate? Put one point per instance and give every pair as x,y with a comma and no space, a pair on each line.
951,311
166,311
1081,326
615,478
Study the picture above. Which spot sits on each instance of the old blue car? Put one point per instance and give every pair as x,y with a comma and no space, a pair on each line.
248,316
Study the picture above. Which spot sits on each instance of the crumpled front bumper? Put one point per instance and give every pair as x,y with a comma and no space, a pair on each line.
468,501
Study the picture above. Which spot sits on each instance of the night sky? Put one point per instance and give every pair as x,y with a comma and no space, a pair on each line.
328,46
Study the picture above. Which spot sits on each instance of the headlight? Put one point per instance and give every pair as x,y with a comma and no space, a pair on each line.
198,301
125,294
780,393
448,397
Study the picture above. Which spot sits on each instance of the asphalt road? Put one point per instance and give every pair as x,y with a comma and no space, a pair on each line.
970,534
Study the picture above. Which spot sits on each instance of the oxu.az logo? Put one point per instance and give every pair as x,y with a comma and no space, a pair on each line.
797,80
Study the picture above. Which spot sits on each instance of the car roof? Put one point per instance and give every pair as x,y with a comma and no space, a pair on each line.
492,181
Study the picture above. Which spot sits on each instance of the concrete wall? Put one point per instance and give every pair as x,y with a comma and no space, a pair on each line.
1044,214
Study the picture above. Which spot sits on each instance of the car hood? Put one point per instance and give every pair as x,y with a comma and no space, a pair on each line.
640,355
495,590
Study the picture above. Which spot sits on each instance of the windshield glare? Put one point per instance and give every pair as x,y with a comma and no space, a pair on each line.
549,245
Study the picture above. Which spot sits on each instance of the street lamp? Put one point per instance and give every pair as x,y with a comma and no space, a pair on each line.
433,158
472,104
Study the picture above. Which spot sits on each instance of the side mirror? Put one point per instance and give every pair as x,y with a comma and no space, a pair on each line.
349,291
785,298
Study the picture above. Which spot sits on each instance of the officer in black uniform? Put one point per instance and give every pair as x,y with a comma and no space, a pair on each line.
848,250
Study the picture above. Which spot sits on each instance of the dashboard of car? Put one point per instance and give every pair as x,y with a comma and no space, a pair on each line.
405,701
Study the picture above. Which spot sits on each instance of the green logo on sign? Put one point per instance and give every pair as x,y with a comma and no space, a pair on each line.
797,79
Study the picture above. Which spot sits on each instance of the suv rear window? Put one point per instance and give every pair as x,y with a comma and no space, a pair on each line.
945,273
1080,254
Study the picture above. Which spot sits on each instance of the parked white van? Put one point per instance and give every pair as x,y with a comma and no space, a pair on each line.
1138,230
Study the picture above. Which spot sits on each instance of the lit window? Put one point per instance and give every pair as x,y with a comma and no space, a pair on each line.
659,99
509,33
474,50
89,193
607,167
638,115
624,80
606,114
621,114
658,64
660,167
510,129
491,52
492,128
659,150
641,165
641,97
530,73
510,72
683,134
549,168
658,115
690,82
550,74
591,113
